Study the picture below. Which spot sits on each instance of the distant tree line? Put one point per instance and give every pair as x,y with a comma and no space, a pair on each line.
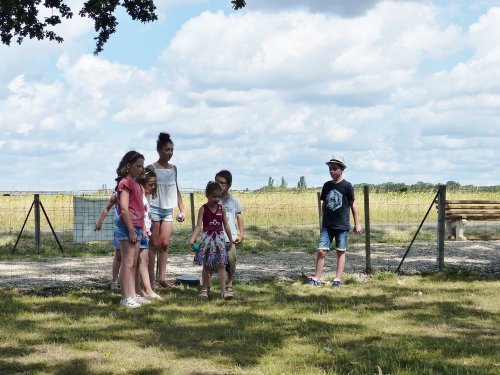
400,187
393,187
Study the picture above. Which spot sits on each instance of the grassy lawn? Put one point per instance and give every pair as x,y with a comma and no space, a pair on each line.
436,324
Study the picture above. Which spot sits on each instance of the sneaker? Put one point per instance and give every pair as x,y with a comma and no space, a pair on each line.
115,285
130,303
141,300
314,282
336,283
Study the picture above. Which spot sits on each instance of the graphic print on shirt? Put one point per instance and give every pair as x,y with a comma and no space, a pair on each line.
334,200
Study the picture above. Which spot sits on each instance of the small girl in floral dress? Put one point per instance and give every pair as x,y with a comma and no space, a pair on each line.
212,221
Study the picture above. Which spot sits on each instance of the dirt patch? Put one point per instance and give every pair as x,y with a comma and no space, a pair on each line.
481,258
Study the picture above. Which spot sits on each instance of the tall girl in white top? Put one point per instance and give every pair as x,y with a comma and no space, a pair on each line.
168,196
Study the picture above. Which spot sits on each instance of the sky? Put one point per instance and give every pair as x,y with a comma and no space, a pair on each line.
405,91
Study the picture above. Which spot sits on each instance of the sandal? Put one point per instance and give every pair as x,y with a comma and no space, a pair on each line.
154,296
167,284
203,295
229,292
225,296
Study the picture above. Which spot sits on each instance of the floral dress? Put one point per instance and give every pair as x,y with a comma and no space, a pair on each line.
212,249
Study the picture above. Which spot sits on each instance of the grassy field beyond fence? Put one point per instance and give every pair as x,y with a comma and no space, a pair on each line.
274,219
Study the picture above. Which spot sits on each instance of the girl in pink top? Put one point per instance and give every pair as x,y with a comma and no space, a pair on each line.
130,224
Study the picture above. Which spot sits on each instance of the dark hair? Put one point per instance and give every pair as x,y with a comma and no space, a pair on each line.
129,158
212,187
227,175
143,178
163,139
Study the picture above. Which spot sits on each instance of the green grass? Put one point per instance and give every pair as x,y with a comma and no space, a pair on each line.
432,324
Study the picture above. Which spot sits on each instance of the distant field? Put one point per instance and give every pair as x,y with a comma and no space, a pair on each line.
273,218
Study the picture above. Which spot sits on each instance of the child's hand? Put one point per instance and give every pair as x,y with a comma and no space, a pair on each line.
133,237
98,227
358,229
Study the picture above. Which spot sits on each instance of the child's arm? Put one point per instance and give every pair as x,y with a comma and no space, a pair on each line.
124,200
241,230
180,203
357,225
110,203
198,228
227,228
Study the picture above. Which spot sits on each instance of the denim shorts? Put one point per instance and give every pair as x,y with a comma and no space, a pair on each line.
327,235
116,243
121,232
144,243
161,214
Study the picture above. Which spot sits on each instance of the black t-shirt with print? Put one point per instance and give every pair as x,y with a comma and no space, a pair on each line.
336,198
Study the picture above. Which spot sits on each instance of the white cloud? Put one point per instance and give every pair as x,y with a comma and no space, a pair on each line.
396,87
372,54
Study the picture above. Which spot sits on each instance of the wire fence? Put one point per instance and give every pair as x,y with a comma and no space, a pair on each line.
274,220
394,217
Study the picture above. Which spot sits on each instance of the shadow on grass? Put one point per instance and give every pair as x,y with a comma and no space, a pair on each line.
263,321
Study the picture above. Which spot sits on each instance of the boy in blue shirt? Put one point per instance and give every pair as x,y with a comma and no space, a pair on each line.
337,197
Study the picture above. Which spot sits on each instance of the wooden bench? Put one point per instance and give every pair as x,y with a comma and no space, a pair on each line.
458,212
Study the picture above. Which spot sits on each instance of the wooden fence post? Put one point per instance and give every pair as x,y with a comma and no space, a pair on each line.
320,214
193,219
366,192
36,203
441,225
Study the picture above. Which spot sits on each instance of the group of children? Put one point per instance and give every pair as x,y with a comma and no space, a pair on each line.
144,199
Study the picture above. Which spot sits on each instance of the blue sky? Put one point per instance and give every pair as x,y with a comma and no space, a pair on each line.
406,91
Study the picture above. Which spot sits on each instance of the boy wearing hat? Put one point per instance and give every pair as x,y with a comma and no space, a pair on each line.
337,199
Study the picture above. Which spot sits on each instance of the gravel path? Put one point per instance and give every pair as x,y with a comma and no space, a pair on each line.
480,257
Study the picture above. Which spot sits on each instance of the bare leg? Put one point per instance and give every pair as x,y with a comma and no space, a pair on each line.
230,278
340,264
154,246
320,263
162,263
138,290
164,237
151,266
145,276
221,269
115,269
129,254
231,257
205,278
